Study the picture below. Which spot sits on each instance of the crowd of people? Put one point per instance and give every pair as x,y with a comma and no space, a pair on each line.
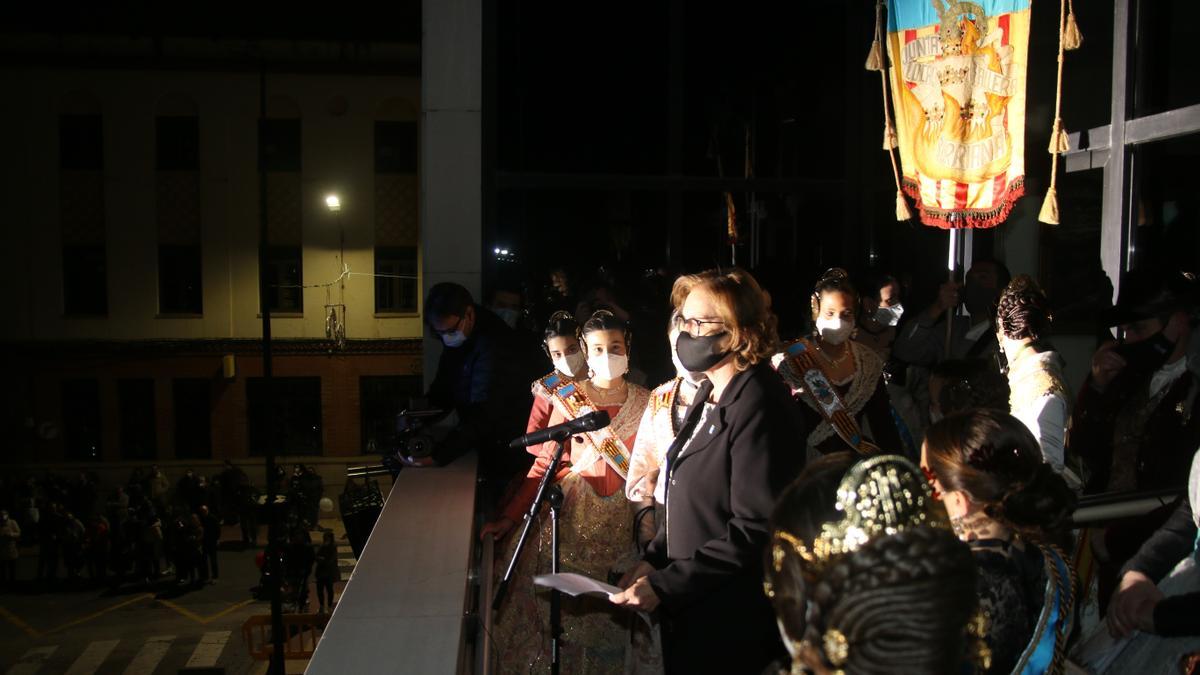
908,477
148,529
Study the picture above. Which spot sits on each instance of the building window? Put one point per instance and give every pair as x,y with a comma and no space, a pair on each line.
294,420
80,142
280,144
81,419
284,276
381,398
179,287
395,147
192,401
178,143
393,294
135,402
85,280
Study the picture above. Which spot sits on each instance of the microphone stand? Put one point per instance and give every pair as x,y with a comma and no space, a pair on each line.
551,493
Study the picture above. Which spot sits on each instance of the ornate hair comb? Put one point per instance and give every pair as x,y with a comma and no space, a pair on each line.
879,496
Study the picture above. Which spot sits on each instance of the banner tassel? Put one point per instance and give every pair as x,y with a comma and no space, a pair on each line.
875,56
1072,38
1049,212
890,142
902,210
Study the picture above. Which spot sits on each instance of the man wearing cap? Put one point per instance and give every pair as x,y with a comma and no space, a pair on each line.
1136,423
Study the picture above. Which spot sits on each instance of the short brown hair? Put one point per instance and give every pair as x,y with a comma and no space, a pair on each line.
744,307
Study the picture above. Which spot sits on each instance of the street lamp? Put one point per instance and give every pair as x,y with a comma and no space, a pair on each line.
333,202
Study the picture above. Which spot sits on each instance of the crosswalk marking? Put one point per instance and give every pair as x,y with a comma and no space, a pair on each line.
149,655
32,661
92,658
209,649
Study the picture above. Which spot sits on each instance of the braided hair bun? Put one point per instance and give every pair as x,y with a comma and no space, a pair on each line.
1023,310
993,458
902,602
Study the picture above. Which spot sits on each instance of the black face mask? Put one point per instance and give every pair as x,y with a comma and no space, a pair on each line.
698,354
1146,356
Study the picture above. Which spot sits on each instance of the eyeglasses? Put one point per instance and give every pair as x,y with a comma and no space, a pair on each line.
697,327
456,326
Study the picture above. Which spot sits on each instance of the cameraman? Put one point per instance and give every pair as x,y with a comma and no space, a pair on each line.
481,375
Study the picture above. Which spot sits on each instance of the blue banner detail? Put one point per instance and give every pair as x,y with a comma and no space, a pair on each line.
914,14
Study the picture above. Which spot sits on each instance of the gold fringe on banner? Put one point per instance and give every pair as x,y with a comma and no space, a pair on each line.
1049,212
902,210
1072,38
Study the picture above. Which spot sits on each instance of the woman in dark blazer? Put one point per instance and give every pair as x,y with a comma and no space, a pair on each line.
739,447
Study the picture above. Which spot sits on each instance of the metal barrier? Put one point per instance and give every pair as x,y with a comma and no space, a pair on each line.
303,632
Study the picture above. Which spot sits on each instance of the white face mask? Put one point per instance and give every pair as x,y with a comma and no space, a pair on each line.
608,366
889,316
571,365
508,315
835,330
454,339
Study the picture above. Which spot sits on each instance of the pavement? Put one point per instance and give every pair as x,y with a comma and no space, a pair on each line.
141,629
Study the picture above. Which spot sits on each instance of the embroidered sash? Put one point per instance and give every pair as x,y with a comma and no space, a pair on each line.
655,432
1047,647
569,399
804,375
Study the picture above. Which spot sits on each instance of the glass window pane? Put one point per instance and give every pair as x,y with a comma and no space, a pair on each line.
1164,59
1168,204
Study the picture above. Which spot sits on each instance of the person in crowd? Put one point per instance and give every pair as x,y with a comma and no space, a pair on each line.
73,545
1035,370
838,382
660,423
481,376
10,537
157,488
326,571
210,526
1154,615
1011,508
298,564
562,343
313,488
233,482
594,529
51,531
118,507
248,514
736,450
1136,421
880,587
880,310
921,340
959,385
96,547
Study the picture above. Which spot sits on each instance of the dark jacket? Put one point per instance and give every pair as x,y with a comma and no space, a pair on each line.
486,381
708,553
1166,442
1175,540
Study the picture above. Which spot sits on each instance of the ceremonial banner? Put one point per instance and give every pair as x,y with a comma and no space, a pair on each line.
957,78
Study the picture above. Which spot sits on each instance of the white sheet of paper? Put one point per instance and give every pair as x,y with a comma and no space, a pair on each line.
575,584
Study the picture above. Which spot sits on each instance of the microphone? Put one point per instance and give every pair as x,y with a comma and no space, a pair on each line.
559,432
